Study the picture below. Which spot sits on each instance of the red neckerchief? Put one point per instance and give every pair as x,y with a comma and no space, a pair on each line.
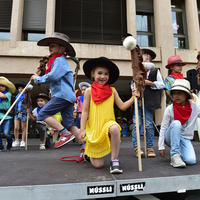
147,70
100,92
177,75
52,59
181,113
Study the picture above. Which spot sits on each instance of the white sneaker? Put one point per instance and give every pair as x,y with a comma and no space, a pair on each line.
176,161
15,143
22,144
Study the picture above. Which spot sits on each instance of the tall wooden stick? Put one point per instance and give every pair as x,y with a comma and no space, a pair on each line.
27,119
11,107
145,142
137,132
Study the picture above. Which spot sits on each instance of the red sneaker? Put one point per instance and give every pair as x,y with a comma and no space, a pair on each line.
64,139
82,157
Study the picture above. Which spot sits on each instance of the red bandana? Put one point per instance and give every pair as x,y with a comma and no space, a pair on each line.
100,92
177,75
52,59
181,113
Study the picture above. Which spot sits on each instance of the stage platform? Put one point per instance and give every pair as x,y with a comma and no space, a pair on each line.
41,175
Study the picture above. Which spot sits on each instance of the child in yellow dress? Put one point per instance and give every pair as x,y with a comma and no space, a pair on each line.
99,128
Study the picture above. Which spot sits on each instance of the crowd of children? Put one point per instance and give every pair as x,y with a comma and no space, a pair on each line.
95,127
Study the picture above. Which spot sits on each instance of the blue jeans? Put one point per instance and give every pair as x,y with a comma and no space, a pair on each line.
179,144
148,125
6,131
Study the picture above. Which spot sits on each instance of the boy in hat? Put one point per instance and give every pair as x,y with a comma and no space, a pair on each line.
41,126
20,116
177,128
60,77
6,88
152,100
174,65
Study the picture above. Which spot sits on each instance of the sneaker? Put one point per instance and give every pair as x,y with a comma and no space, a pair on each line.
15,143
2,149
115,167
82,157
42,147
22,144
136,152
176,161
87,158
64,139
151,152
9,145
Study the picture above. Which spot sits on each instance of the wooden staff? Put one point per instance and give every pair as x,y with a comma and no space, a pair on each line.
11,107
27,119
76,60
145,142
27,104
138,133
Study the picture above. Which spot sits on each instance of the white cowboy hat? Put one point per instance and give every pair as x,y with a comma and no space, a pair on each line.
10,86
181,84
81,84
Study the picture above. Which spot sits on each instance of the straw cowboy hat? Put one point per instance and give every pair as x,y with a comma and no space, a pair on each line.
149,51
181,84
174,60
81,84
43,96
10,86
104,62
61,39
21,84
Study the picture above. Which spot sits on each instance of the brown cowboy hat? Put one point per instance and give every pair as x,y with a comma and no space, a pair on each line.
10,86
149,51
61,39
104,62
43,96
174,60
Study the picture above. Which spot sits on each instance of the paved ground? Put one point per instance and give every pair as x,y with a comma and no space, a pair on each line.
33,167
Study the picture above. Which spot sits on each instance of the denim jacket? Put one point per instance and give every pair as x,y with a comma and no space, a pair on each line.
61,80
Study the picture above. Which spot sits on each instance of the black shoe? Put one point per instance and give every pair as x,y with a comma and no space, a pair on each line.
87,158
2,148
115,167
9,145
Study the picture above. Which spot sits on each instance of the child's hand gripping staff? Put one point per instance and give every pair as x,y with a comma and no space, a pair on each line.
139,76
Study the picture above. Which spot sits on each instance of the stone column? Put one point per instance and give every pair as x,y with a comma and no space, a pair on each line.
131,17
50,17
192,24
165,41
16,22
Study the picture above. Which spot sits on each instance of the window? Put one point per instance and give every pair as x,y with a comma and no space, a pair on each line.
145,23
179,24
5,19
89,21
34,20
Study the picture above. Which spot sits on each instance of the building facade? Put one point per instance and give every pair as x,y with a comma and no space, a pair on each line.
169,27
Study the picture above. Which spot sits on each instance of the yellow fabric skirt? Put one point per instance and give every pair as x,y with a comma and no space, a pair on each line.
101,118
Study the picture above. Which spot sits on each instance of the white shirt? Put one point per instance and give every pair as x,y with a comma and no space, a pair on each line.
188,127
35,114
